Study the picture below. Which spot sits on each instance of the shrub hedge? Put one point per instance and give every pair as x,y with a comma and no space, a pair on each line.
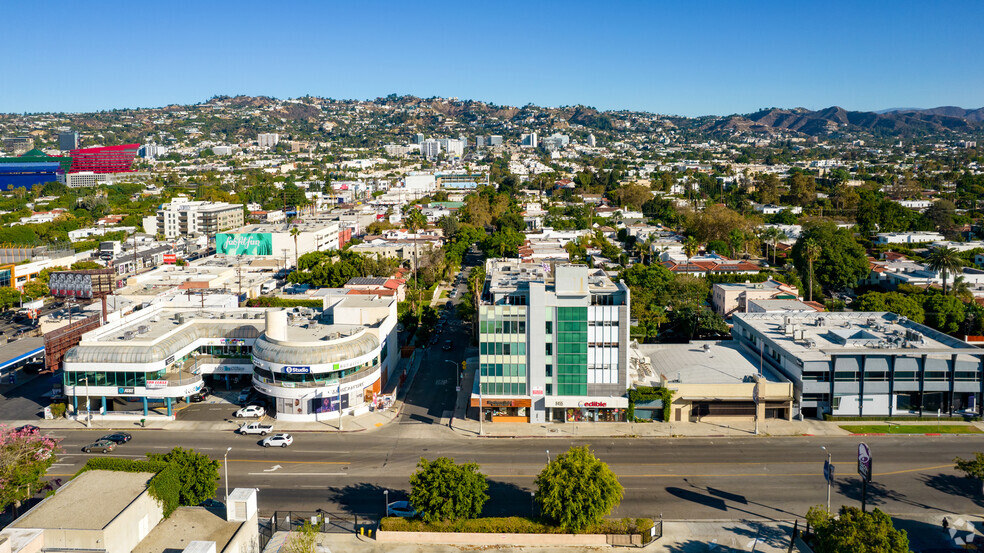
512,525
270,301
911,418
164,486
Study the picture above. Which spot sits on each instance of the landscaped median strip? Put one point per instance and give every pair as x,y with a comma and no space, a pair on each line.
927,429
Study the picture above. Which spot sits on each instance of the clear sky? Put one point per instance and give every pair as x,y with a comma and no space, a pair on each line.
690,57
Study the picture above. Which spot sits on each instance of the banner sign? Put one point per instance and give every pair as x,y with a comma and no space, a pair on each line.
864,462
247,243
170,258
297,370
81,284
156,384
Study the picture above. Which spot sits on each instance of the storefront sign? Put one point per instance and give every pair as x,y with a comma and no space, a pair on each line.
170,258
233,342
594,404
297,370
498,403
156,384
169,360
537,391
128,390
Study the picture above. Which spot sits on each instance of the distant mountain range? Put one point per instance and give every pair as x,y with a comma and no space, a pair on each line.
895,122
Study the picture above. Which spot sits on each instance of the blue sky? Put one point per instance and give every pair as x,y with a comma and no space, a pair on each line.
689,58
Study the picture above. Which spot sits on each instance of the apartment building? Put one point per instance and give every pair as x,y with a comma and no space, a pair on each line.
183,217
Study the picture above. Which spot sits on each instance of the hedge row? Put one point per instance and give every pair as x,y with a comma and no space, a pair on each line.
512,525
270,301
911,418
164,486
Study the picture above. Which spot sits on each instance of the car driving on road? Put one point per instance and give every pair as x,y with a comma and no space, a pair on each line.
278,440
116,438
251,411
104,446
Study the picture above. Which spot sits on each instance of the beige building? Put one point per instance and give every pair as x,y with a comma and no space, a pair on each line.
730,298
717,381
120,516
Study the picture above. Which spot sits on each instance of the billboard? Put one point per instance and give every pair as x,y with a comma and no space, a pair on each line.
170,258
246,243
81,284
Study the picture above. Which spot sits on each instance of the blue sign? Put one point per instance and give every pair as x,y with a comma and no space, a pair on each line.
297,370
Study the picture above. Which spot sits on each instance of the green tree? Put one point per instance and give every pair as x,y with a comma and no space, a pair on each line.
503,243
736,241
811,252
973,468
24,459
294,233
690,247
944,260
199,474
944,313
86,265
576,490
9,297
841,261
444,490
855,532
893,302
36,289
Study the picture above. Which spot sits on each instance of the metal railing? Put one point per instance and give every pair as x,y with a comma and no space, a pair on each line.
322,521
332,382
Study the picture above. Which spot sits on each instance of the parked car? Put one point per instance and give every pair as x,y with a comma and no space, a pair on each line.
244,395
251,411
104,446
278,440
401,509
201,395
27,429
447,345
116,438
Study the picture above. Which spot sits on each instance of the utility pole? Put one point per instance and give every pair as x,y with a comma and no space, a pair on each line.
828,475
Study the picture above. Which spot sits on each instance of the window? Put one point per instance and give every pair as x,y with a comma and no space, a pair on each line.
876,376
846,376
549,389
549,327
548,370
935,376
816,377
548,349
967,376
902,376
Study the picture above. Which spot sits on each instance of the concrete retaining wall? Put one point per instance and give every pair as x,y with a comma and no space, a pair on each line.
463,538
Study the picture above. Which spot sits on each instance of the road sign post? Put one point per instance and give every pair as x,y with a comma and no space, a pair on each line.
864,470
828,474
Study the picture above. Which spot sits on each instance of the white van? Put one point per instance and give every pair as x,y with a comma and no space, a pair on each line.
268,286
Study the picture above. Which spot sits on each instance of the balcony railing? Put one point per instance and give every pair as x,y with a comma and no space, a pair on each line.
321,384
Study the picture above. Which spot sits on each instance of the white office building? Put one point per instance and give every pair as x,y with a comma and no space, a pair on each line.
183,217
267,140
528,140
430,148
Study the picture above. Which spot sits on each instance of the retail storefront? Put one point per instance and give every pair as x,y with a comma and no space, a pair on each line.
504,409
582,409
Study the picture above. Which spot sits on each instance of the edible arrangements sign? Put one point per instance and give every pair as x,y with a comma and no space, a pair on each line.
247,243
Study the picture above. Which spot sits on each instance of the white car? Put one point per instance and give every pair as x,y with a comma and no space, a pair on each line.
278,440
251,411
401,509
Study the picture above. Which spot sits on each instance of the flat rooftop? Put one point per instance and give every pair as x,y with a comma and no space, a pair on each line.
816,336
721,362
147,330
185,525
104,494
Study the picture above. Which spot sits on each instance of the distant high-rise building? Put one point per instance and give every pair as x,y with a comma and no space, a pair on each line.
479,141
464,141
68,141
418,138
592,141
495,140
452,146
528,140
107,159
267,140
556,141
18,144
430,149
152,151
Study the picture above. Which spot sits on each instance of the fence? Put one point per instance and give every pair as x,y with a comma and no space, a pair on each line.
654,533
322,521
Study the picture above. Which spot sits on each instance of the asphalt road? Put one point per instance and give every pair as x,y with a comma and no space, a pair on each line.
766,478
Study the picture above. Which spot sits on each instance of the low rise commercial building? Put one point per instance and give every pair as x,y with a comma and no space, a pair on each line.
553,344
184,217
728,298
276,241
865,364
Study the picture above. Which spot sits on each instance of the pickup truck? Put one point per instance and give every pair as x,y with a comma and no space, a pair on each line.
256,428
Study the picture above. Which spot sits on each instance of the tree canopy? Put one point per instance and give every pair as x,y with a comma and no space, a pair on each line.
444,490
25,457
842,261
855,532
199,474
577,490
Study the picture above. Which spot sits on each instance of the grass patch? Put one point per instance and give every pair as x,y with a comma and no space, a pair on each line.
512,525
911,429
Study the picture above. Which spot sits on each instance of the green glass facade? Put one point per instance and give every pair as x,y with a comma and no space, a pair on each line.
571,355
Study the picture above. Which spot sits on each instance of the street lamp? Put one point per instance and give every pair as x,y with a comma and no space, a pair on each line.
548,456
225,464
88,415
386,497
532,511
826,476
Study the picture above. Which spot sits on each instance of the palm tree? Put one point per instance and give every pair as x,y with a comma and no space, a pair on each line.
811,252
962,289
690,248
944,260
295,232
414,220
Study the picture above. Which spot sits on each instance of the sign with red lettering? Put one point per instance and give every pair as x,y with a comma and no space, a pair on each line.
594,404
170,258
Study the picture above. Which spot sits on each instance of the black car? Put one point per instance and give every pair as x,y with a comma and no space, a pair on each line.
117,437
27,429
202,395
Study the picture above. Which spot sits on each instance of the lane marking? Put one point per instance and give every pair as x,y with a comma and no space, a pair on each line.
297,474
770,475
268,461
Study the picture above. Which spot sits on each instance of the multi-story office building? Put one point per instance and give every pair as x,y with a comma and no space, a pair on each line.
495,140
553,344
418,138
68,141
556,141
183,217
528,140
107,159
865,364
592,141
452,146
309,364
18,144
479,141
267,140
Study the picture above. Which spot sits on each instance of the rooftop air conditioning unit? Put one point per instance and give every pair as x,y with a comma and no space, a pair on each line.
128,335
143,329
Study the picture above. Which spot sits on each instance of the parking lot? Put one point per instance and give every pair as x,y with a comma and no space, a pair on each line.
221,404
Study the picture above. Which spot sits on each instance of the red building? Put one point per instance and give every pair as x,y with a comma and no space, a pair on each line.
108,159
